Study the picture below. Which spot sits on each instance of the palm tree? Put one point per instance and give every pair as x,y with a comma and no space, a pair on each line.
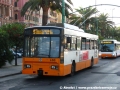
104,24
117,33
85,17
55,5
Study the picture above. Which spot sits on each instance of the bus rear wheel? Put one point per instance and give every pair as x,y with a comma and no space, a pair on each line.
92,63
72,69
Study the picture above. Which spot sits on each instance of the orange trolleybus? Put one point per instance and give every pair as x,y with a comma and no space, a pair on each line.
58,50
109,48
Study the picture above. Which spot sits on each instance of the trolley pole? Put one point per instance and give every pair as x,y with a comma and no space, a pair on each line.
63,11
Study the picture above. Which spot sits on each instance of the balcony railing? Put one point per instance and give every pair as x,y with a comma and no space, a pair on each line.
10,18
16,20
16,8
4,2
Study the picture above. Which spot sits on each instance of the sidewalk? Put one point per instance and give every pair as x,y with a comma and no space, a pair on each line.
11,69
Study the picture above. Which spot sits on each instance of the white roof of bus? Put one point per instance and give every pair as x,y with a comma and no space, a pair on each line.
81,34
65,25
71,30
40,26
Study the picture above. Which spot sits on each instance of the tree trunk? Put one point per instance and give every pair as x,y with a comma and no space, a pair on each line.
45,15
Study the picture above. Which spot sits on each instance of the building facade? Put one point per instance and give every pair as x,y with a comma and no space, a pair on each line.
6,11
36,17
28,19
10,11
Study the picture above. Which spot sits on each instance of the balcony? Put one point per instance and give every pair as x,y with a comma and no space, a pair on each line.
10,18
4,2
16,20
16,8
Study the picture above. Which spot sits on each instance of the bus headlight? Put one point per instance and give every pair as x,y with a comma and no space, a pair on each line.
54,67
99,54
27,66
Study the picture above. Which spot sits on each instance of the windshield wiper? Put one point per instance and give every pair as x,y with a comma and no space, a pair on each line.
44,54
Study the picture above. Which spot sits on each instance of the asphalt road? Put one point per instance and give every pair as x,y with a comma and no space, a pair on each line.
103,76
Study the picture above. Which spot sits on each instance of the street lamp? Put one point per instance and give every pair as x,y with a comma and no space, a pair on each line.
112,20
97,27
112,13
113,30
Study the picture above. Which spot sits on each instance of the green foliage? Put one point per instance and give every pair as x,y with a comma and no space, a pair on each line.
10,35
5,54
15,32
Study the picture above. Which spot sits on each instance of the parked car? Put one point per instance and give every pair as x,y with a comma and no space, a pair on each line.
18,53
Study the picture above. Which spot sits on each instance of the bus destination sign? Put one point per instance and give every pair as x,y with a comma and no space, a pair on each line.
40,31
107,42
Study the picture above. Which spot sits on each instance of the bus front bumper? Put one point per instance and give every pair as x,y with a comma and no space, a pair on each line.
107,56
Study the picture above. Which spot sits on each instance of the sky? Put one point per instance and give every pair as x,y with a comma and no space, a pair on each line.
112,11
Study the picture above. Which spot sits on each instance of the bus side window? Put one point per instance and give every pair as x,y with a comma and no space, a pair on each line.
67,41
83,44
92,44
95,44
118,47
78,43
115,47
73,43
87,44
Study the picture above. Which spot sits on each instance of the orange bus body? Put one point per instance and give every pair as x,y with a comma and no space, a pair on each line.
46,63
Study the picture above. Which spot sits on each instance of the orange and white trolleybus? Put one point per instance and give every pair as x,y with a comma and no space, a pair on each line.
109,48
58,50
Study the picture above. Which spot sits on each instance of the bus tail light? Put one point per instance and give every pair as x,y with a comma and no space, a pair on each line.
27,66
54,67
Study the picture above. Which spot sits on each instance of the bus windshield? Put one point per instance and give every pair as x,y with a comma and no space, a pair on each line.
42,46
107,47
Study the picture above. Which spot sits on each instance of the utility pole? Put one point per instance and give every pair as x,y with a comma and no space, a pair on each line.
63,11
113,26
97,27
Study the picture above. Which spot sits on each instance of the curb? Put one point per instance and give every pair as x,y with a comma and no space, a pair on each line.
11,74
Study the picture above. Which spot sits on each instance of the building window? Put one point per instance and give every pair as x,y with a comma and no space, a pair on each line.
15,4
25,17
16,16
